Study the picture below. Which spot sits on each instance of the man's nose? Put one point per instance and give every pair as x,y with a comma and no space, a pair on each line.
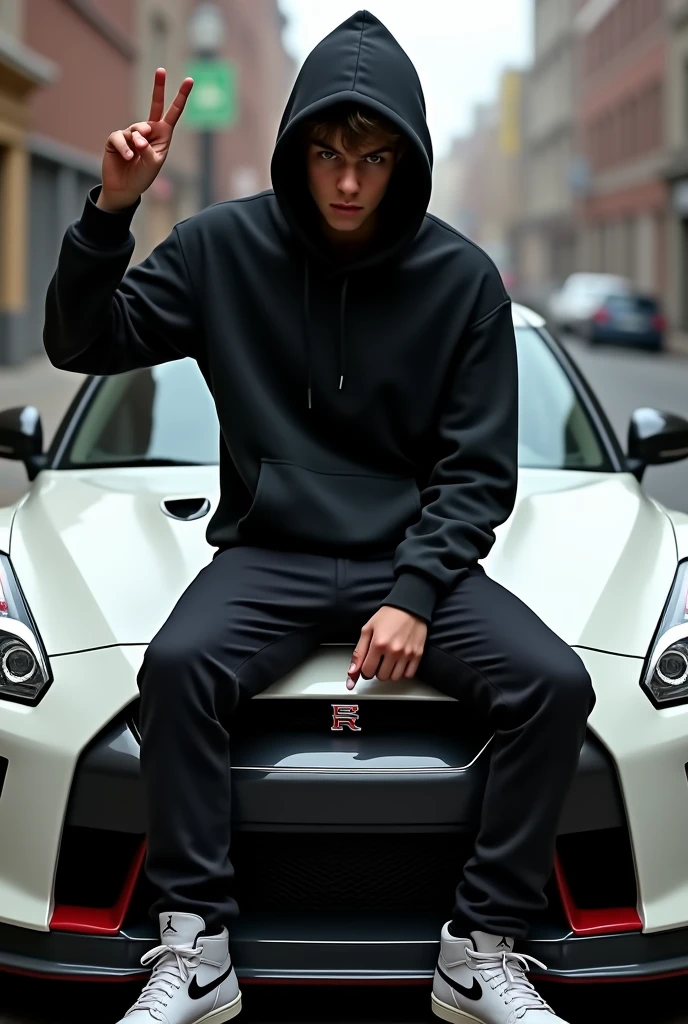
348,183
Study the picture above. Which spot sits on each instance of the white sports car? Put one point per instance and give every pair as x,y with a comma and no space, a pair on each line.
346,858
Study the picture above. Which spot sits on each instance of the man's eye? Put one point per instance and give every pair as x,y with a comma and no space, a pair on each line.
375,158
326,154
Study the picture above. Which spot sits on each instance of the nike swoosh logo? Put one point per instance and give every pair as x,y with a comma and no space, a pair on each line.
197,991
475,992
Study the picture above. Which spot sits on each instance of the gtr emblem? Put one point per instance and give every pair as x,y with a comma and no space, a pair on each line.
344,714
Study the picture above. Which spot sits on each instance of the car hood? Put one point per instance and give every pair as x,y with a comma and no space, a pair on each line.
101,564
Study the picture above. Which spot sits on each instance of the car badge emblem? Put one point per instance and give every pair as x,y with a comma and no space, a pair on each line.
344,714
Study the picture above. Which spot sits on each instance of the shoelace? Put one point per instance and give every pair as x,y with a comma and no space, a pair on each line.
171,970
505,973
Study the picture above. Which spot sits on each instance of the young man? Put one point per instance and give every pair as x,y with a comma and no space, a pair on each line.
362,359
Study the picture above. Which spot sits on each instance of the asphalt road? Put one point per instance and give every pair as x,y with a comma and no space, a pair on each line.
624,381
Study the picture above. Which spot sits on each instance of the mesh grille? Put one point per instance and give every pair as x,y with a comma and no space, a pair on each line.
317,871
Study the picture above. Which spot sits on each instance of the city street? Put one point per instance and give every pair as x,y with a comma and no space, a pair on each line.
624,381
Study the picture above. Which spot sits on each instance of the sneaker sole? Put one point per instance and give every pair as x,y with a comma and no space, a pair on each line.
222,1013
451,1013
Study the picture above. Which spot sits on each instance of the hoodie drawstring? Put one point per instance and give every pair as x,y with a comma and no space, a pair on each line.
307,331
342,332
306,325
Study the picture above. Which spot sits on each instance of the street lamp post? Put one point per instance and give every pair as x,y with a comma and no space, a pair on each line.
207,36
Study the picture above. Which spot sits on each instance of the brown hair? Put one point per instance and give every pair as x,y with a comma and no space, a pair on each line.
356,126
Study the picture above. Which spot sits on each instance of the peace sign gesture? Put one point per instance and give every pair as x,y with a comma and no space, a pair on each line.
134,155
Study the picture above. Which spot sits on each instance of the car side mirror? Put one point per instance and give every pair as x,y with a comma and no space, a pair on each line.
21,437
654,438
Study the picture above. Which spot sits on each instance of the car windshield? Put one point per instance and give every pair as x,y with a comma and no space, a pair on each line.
166,415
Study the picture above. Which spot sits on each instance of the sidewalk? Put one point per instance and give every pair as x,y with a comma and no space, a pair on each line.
35,382
677,343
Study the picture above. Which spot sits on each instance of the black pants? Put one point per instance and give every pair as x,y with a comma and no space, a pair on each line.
253,614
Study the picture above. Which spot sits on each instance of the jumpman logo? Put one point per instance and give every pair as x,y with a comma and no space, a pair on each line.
168,927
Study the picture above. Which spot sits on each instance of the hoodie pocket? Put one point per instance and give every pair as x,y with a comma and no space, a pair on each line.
299,506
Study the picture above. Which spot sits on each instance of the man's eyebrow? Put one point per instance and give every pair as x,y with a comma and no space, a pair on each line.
386,148
324,144
381,149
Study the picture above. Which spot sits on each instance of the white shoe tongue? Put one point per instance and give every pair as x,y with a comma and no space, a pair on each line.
180,929
486,943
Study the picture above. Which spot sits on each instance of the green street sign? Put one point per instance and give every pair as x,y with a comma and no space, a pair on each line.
212,101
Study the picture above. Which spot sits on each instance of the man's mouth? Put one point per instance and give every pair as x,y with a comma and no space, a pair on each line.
346,207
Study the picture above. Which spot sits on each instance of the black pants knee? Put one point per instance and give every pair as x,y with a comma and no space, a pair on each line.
253,614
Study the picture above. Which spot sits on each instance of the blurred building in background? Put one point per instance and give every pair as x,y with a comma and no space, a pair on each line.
621,62
265,75
477,187
23,71
600,182
676,109
71,72
545,237
91,46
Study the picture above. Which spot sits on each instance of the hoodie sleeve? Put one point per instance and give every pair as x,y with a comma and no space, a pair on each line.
101,320
472,486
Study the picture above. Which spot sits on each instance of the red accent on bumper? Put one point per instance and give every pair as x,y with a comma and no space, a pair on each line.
603,921
100,920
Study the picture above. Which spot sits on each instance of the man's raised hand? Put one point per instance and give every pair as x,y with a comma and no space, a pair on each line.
133,156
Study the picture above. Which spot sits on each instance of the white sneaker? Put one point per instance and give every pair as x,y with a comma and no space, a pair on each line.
193,978
481,979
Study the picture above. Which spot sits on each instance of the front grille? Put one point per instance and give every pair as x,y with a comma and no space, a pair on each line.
333,871
329,872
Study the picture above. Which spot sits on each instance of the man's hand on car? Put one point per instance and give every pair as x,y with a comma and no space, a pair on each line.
134,155
390,647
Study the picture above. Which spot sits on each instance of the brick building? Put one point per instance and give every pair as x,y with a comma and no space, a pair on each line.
71,72
546,237
621,55
90,42
23,70
676,109
265,75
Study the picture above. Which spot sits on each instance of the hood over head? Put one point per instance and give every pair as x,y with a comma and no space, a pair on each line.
359,62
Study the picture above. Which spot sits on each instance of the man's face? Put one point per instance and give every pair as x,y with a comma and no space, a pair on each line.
348,185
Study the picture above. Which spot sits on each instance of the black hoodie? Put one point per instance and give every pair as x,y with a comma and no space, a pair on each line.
366,410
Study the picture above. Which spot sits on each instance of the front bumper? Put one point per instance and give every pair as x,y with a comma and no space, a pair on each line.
347,949
67,773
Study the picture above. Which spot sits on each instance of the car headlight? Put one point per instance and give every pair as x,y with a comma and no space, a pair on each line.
666,676
24,670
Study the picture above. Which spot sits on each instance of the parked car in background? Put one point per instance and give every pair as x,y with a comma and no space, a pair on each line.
627,320
607,309
582,294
